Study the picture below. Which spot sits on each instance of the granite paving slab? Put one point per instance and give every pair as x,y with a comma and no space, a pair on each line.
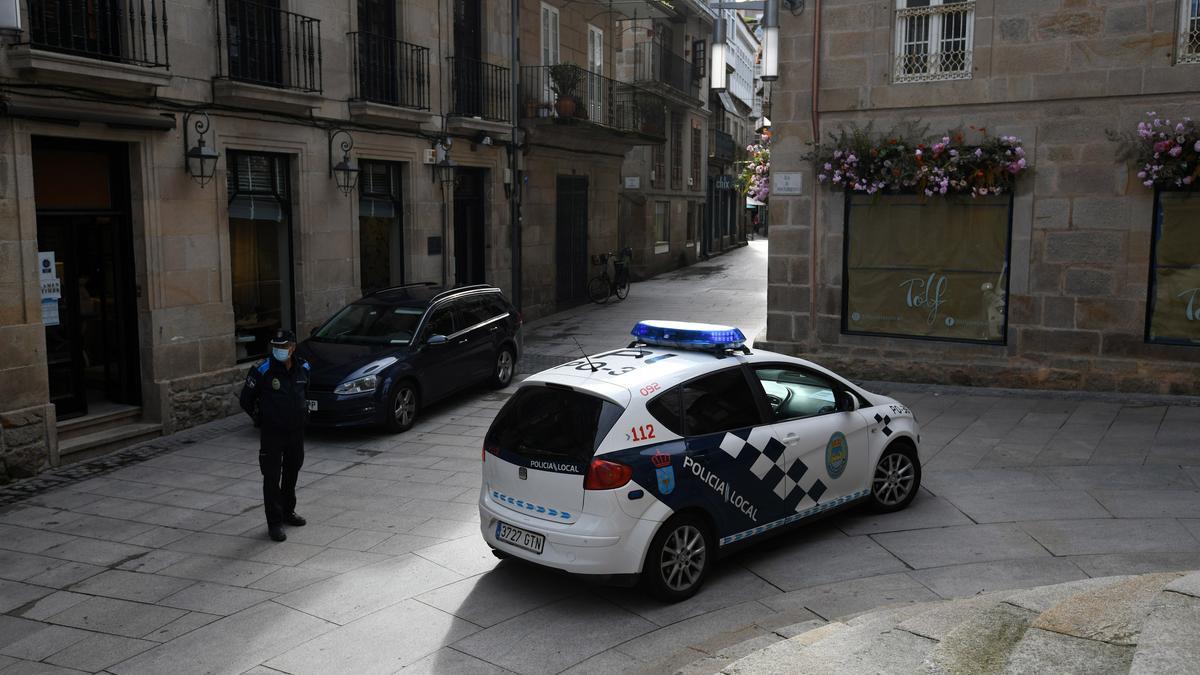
116,617
960,545
959,581
509,590
1112,535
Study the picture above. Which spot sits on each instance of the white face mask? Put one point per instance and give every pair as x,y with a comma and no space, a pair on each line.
281,354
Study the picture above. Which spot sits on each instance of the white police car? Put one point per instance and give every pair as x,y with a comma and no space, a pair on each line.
656,458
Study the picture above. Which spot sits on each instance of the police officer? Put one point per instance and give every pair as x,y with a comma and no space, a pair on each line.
274,394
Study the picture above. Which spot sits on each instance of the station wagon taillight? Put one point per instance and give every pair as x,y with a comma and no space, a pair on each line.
605,475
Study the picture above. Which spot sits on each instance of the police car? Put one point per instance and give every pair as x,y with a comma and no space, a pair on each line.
655,459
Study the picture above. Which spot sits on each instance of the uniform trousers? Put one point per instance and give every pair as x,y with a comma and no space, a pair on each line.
280,456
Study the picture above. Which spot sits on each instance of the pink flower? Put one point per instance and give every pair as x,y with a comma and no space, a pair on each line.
979,152
1148,183
1176,151
1162,146
1187,180
1197,148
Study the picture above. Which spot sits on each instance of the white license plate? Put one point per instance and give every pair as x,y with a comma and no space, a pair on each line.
529,541
312,405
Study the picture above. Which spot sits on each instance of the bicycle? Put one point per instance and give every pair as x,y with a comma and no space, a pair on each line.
603,286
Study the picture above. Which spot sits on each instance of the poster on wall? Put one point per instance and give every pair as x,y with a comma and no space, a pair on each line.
51,287
934,268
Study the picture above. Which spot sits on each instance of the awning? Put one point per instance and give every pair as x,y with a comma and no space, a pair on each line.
764,123
751,203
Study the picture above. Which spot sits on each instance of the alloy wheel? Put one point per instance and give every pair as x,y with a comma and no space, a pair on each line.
894,479
683,557
406,407
504,366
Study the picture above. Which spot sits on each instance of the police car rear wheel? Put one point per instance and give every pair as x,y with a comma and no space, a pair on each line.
896,480
405,403
679,559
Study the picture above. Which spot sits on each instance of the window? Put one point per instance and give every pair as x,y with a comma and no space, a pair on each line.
553,423
380,235
693,222
699,59
441,323
934,40
1189,32
662,227
549,35
719,402
1173,306
794,393
676,152
260,243
932,269
694,179
658,174
371,324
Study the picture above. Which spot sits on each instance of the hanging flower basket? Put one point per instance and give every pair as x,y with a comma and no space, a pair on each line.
754,180
1167,153
857,160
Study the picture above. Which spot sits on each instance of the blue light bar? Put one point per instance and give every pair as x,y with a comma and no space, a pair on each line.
682,335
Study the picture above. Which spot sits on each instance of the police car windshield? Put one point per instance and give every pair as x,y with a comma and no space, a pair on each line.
371,324
553,423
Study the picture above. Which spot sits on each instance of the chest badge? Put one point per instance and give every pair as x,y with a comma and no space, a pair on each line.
275,383
663,472
523,473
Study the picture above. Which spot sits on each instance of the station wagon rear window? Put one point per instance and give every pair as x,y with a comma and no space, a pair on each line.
553,423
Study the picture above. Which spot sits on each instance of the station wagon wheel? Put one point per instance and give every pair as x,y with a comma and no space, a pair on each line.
679,558
502,374
403,407
896,479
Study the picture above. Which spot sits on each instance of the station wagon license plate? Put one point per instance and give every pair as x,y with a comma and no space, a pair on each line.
312,405
529,541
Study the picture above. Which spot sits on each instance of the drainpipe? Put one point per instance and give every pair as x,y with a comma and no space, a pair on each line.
816,131
514,202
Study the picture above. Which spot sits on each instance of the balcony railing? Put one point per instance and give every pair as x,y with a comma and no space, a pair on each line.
389,71
654,62
723,147
479,89
126,31
269,46
588,96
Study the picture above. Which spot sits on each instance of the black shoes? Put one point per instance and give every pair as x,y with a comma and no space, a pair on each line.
294,520
276,532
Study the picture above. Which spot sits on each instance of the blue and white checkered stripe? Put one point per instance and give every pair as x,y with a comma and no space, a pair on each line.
812,511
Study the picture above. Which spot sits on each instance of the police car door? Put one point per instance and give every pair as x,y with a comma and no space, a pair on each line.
825,440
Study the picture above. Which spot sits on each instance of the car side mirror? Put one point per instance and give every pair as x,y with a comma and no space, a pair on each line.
435,340
847,402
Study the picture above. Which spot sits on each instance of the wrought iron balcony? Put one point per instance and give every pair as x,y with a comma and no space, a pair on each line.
654,63
480,89
390,71
566,92
125,31
264,45
723,148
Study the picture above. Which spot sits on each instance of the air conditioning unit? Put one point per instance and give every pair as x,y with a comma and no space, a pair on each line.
10,16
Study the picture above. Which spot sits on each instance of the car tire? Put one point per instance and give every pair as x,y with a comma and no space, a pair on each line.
896,478
679,558
504,368
403,406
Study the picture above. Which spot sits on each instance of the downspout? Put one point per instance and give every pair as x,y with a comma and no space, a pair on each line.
514,202
813,309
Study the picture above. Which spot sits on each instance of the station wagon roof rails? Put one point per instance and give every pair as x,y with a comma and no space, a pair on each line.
400,287
716,340
461,289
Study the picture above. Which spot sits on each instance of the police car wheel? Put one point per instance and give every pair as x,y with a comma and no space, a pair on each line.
403,407
679,559
896,479
502,373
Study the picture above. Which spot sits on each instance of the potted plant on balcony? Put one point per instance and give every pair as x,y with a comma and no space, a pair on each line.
564,82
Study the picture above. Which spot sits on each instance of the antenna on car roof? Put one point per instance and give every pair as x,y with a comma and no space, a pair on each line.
585,356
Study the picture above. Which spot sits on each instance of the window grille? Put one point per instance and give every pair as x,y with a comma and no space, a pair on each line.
1189,32
934,40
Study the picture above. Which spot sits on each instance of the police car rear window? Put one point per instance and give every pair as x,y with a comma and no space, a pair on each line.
553,423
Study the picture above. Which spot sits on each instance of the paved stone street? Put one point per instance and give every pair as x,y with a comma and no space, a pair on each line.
164,566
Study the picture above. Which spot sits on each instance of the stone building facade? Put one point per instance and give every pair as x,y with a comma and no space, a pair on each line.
1085,265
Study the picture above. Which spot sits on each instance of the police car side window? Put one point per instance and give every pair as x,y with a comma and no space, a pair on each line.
667,408
719,402
794,393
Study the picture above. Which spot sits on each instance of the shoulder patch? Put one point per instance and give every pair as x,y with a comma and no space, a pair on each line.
306,366
263,366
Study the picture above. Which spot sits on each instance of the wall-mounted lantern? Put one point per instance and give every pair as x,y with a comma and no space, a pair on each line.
718,77
345,172
770,43
200,161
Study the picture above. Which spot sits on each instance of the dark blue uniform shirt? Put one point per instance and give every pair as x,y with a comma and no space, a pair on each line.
278,394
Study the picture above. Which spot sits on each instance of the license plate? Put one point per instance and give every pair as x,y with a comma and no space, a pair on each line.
312,405
529,541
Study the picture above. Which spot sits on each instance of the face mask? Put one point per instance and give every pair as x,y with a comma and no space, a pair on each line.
280,355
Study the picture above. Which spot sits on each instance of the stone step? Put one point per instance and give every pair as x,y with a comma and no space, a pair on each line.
1111,613
105,441
112,416
982,642
1044,597
940,621
1042,651
1170,639
723,649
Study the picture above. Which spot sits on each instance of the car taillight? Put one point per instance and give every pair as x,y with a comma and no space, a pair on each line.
494,449
605,475
520,319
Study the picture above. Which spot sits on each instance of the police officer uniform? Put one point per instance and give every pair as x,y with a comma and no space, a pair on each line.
275,396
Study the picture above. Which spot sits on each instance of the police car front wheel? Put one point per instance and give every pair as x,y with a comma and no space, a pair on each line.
679,558
897,478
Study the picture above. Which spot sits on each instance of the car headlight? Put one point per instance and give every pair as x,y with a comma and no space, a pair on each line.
360,385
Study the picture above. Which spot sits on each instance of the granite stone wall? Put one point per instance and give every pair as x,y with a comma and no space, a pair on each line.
24,442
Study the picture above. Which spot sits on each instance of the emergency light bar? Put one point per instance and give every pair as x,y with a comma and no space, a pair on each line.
681,335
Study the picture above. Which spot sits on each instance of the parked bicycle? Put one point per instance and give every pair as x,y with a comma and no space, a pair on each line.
603,286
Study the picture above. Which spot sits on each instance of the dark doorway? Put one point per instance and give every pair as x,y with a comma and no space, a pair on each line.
571,239
467,83
84,226
469,232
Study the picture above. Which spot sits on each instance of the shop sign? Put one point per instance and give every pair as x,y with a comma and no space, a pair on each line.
51,287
